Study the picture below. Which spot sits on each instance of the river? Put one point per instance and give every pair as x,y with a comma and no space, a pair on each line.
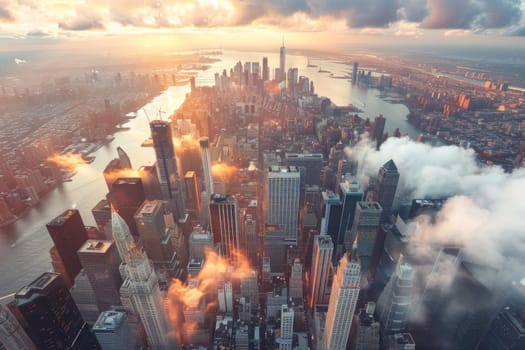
24,245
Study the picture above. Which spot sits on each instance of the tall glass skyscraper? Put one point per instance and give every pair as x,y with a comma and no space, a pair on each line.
171,184
49,311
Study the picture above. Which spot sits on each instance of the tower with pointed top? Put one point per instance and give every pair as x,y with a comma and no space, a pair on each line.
140,287
282,63
386,187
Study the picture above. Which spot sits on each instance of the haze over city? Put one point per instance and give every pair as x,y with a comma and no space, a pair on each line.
262,175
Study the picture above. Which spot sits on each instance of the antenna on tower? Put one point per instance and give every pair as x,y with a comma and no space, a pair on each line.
147,116
160,112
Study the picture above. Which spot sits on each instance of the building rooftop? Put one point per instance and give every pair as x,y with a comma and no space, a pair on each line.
369,205
109,321
38,284
127,180
62,218
283,169
95,246
149,208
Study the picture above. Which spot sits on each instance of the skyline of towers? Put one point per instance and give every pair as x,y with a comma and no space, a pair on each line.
282,199
341,307
170,182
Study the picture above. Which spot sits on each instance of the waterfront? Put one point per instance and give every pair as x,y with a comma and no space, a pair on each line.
24,245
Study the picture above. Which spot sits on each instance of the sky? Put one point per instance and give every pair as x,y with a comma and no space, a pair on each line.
185,24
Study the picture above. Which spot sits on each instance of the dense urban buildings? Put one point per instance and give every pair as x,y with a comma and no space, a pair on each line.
272,218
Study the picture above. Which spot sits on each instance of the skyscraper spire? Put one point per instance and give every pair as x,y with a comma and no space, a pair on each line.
121,234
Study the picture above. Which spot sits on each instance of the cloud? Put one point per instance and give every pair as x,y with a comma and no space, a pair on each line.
6,14
304,15
465,14
426,170
85,18
483,217
517,31
37,34
20,61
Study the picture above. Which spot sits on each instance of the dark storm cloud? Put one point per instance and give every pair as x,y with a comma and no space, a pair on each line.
520,31
499,13
467,14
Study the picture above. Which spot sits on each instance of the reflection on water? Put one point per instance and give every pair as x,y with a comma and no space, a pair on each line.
24,246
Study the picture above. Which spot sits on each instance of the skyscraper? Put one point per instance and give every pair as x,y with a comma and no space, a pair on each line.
354,73
367,337
141,286
282,199
123,157
265,69
282,63
343,300
394,302
250,288
225,296
12,334
251,239
350,193
193,201
309,165
224,217
101,262
320,269
364,231
206,165
154,236
126,196
170,182
48,310
286,338
199,242
331,213
379,129
68,233
295,285
113,331
386,186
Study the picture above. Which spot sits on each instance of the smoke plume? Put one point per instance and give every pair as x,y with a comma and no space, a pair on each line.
68,161
215,269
